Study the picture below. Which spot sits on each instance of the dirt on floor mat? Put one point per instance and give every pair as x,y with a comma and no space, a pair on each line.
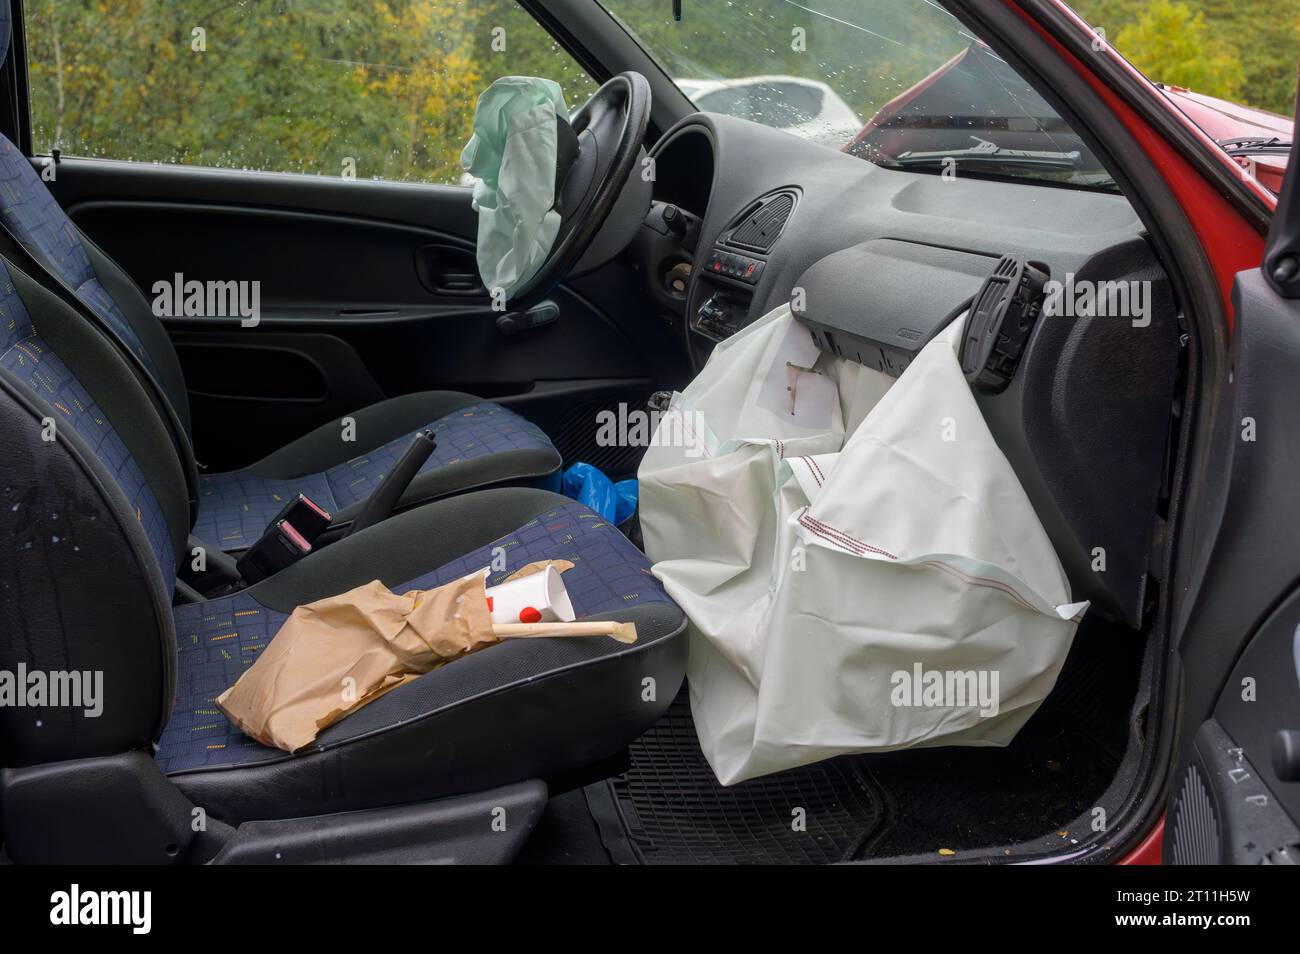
668,808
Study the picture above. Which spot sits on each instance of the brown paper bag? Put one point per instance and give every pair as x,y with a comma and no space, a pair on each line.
339,653
336,655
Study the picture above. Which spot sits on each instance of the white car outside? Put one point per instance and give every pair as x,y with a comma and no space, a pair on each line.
803,107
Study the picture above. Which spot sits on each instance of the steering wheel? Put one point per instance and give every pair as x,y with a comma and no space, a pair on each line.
609,129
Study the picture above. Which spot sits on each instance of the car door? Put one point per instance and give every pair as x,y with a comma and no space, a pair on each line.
1235,795
311,151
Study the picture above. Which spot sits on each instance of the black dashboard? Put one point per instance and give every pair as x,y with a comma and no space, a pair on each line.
1085,420
727,171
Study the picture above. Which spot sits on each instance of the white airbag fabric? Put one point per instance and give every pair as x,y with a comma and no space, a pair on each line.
833,535
512,155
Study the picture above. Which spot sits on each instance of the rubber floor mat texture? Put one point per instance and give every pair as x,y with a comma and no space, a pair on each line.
668,808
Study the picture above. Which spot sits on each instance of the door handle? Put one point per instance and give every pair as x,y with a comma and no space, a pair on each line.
459,283
515,322
448,270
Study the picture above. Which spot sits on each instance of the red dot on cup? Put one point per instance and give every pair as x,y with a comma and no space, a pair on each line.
530,614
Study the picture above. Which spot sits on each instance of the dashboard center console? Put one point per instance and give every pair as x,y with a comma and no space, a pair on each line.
729,272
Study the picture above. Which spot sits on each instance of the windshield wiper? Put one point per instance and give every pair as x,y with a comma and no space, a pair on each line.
1255,145
991,152
1094,180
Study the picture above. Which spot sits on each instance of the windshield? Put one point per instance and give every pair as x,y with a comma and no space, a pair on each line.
897,82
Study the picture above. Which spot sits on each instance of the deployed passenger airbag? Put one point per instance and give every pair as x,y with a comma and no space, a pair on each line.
860,565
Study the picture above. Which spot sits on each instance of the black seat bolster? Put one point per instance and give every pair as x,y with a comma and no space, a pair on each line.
147,327
545,725
76,562
375,426
516,467
99,366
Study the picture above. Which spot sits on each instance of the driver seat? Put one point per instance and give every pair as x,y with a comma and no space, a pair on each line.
479,443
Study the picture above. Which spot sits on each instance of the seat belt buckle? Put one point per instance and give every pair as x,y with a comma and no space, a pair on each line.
280,546
306,516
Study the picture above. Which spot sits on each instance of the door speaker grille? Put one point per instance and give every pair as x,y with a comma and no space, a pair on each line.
1196,827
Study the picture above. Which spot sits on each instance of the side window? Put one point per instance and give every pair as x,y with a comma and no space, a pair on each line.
379,89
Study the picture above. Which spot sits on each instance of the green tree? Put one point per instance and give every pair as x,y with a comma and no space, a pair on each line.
1172,44
314,86
1264,33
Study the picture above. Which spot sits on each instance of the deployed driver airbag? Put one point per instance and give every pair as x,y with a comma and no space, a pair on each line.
512,155
861,568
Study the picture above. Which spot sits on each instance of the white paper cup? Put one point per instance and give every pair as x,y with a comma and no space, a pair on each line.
536,598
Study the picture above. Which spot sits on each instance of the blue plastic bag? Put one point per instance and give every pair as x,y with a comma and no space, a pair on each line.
588,485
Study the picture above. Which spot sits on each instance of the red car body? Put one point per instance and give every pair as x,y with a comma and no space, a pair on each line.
1226,121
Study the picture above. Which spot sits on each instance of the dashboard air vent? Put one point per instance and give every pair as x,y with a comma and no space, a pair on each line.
762,224
1001,318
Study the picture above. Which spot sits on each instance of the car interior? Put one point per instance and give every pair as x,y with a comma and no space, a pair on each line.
181,438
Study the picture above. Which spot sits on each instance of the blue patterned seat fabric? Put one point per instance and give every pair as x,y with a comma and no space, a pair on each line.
26,355
219,639
235,507
37,221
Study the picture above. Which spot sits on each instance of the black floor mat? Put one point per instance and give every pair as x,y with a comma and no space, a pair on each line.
1054,771
669,809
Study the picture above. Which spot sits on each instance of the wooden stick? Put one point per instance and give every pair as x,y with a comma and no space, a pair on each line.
623,632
